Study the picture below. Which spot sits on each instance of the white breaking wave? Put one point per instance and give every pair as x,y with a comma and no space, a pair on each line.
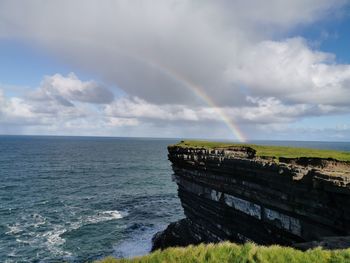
53,239
139,244
105,216
35,221
14,229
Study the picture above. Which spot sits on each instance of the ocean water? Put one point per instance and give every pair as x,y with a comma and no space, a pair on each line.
82,198
79,199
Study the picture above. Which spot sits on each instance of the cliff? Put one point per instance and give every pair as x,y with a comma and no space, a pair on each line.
271,195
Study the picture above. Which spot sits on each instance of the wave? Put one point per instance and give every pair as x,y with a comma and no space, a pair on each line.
105,216
14,229
52,238
139,244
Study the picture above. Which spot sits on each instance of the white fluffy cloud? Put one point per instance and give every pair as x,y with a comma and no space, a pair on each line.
58,102
54,106
66,90
293,72
15,111
236,52
139,108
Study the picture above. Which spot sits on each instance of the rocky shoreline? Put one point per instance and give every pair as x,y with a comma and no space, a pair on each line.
231,194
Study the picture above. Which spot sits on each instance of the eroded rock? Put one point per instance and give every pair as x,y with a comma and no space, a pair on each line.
230,194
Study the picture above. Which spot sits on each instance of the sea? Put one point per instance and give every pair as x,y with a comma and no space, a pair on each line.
78,199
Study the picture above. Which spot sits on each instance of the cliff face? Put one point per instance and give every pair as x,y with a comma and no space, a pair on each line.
230,194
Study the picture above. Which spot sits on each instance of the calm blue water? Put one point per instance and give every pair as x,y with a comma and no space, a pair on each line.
82,198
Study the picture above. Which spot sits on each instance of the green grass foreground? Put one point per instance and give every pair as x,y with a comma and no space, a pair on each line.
273,151
248,253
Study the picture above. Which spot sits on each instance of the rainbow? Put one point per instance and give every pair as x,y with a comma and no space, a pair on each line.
197,91
201,94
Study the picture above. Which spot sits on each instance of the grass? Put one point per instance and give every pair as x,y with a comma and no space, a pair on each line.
248,253
273,151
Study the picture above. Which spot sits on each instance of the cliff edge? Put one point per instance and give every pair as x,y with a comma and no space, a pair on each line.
265,194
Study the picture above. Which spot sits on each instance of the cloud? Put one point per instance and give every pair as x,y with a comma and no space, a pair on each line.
66,90
260,111
15,111
58,100
239,53
146,48
44,116
270,110
139,108
120,122
293,72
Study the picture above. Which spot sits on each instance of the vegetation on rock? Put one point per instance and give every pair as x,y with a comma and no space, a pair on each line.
272,151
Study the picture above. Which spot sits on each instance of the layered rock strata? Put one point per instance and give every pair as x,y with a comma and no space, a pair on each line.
230,194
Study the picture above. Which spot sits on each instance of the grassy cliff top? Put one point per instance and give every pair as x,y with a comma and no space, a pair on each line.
229,252
272,151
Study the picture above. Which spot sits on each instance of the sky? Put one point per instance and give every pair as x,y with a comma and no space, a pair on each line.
238,70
